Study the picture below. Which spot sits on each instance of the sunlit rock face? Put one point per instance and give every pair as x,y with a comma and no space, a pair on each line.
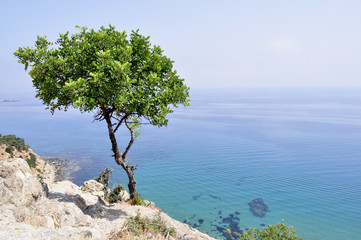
19,187
33,207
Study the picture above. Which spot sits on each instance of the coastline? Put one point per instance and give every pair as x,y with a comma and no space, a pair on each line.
40,203
63,170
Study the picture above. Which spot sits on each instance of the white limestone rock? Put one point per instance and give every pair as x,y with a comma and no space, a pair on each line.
93,187
124,196
149,203
18,185
68,212
72,192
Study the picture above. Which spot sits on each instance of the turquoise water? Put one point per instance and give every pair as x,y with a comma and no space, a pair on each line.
297,149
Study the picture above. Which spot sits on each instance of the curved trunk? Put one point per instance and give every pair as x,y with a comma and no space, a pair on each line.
131,185
120,159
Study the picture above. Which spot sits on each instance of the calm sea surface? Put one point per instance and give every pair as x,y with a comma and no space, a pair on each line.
297,149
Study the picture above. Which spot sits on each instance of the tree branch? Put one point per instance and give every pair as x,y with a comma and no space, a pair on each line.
99,116
124,155
60,77
120,122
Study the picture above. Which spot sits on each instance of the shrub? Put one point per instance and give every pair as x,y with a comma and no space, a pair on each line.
114,194
137,200
138,225
9,149
103,178
31,161
13,141
275,232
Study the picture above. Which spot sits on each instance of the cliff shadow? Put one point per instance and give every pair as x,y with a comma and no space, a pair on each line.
98,210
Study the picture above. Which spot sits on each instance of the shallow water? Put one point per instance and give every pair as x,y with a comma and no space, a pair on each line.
297,149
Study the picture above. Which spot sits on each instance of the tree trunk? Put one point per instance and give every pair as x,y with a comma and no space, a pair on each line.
131,185
120,160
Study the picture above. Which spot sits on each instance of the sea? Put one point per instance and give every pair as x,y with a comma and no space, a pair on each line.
297,149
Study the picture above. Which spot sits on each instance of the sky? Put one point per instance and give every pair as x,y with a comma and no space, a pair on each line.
215,44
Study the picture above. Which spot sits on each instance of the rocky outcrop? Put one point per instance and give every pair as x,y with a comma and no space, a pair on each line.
93,187
31,208
43,168
19,187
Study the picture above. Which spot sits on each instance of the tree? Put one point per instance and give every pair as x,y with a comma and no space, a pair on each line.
124,81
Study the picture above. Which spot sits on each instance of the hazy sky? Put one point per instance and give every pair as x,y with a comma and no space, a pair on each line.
213,43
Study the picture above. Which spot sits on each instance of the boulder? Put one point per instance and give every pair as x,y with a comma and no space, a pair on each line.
124,196
18,185
68,191
93,187
149,203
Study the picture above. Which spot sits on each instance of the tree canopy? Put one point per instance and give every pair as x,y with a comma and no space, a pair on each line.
122,79
94,69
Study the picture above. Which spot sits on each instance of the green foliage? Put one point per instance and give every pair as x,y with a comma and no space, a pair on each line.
92,69
11,141
137,200
275,232
138,225
32,161
103,178
9,149
122,79
114,194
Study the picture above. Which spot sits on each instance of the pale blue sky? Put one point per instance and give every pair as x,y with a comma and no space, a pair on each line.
213,43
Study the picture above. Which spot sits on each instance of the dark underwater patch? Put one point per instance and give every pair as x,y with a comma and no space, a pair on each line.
230,222
195,197
258,207
213,196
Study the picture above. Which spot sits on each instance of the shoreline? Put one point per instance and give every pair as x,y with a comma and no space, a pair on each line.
63,169
45,206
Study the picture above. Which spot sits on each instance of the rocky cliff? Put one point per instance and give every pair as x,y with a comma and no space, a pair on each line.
33,205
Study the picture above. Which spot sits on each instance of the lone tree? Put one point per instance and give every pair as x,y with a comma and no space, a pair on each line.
121,80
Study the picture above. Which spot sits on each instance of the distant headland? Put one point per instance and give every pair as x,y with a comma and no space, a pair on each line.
10,100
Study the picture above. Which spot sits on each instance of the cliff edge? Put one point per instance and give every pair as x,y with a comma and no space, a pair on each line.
33,205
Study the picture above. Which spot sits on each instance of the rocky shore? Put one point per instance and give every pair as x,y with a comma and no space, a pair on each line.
63,168
35,203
